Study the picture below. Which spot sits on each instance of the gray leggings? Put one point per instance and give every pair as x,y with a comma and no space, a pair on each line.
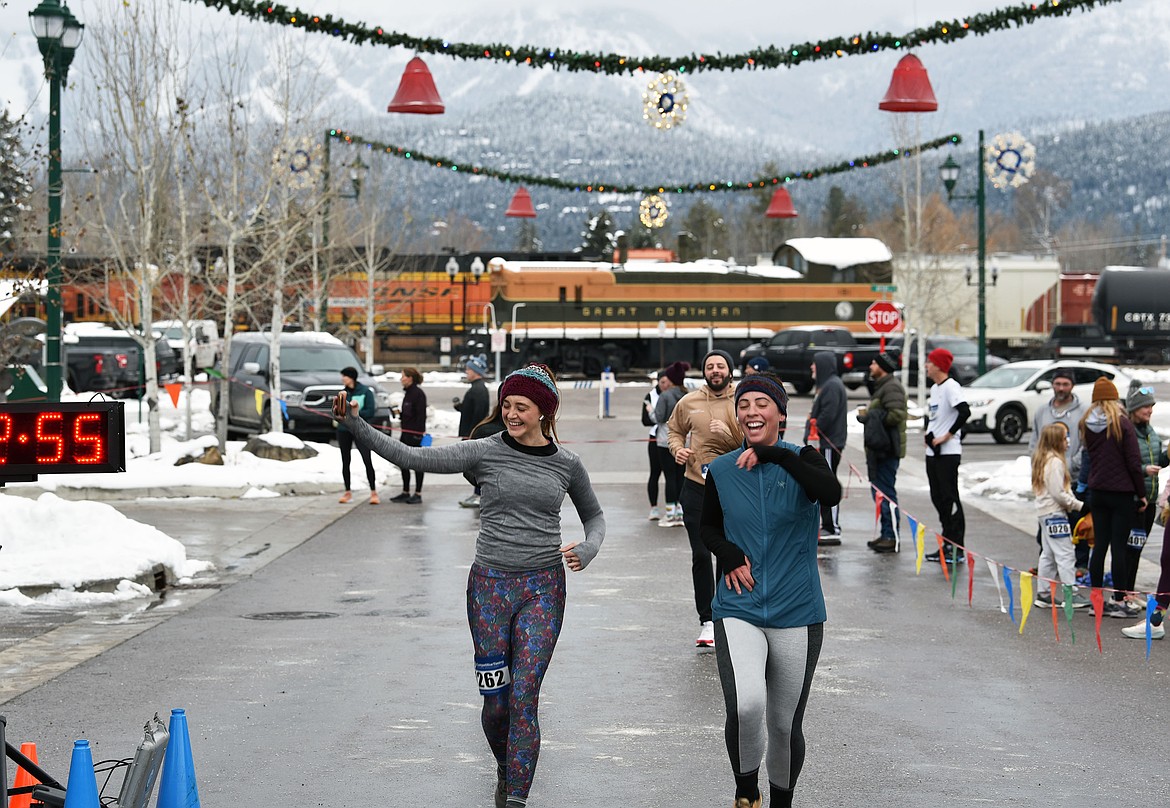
766,675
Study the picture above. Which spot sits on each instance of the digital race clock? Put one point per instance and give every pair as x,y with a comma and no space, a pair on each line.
68,438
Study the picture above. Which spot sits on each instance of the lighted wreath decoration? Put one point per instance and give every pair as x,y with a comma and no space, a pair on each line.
1010,160
302,158
664,104
652,211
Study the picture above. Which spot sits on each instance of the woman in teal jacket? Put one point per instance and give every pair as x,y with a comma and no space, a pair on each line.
760,517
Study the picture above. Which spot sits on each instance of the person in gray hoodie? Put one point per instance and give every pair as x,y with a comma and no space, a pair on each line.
828,411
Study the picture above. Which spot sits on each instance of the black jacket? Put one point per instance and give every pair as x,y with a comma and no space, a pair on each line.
413,412
473,408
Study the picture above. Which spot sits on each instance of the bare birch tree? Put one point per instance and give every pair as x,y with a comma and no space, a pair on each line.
138,79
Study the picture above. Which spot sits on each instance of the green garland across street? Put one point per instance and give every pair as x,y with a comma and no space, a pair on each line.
712,186
768,58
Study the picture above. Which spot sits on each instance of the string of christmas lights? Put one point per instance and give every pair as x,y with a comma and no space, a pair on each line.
712,186
766,58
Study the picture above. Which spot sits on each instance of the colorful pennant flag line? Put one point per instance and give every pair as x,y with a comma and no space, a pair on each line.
1003,576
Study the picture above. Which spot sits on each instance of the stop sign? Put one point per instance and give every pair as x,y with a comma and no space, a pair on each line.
883,317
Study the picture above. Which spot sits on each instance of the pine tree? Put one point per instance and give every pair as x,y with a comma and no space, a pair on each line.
844,215
15,187
598,238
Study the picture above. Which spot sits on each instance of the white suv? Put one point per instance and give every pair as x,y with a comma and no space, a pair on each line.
1004,401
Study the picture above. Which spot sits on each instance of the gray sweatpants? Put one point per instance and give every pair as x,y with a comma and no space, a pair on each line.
766,675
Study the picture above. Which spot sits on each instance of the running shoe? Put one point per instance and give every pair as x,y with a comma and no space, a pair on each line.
405,495
744,802
1138,631
374,498
655,514
1043,601
415,499
471,502
346,497
1114,609
706,637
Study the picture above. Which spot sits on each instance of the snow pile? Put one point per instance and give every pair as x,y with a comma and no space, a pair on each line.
43,545
1010,481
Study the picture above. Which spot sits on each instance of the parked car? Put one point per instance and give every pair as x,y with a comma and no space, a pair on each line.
204,342
965,351
101,358
790,355
1003,401
310,376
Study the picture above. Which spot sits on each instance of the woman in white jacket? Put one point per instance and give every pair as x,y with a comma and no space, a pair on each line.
1054,501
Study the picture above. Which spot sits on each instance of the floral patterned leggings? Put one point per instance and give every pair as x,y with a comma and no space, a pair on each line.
516,615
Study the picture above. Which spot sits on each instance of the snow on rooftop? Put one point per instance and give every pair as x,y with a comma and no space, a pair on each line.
841,252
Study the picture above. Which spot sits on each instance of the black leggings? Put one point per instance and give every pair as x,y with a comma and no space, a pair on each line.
942,472
345,443
655,472
411,440
1113,516
674,473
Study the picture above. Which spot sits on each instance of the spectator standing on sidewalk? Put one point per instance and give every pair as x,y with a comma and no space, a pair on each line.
885,444
473,408
1117,490
944,452
516,587
367,404
760,514
828,411
702,427
1063,408
672,391
413,420
648,402
1140,406
1055,503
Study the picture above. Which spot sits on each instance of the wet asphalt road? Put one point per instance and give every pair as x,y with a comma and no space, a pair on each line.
919,700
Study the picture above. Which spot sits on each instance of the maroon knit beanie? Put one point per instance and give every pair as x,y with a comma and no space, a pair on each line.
677,372
534,382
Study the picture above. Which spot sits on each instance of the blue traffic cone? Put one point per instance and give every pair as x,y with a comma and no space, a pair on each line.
82,791
177,787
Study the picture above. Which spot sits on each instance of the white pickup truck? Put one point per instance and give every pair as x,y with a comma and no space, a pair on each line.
204,342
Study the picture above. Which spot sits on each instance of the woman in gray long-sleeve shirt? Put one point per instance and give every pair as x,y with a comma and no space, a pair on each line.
516,588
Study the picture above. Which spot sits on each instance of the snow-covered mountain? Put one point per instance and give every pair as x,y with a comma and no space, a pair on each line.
1089,73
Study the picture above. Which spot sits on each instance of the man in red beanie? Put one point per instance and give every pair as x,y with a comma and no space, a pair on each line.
944,452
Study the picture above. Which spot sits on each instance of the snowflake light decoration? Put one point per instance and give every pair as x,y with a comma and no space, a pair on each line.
1010,160
664,104
652,211
302,158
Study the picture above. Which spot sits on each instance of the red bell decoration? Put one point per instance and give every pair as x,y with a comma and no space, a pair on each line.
910,89
781,205
521,205
416,92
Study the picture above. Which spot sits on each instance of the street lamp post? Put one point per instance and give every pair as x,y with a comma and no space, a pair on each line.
58,34
949,174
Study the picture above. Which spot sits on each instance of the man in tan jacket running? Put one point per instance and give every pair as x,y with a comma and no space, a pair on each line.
702,427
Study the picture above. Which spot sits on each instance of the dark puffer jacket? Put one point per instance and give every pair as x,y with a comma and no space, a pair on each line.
1113,465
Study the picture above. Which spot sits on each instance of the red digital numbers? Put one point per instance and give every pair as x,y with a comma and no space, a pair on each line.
56,441
5,436
61,438
94,438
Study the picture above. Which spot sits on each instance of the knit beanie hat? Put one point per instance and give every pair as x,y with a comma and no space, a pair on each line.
350,372
534,382
718,352
942,359
767,383
1104,390
759,363
886,362
478,364
1140,397
677,372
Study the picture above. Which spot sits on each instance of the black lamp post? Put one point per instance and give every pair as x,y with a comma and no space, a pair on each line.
948,172
58,34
